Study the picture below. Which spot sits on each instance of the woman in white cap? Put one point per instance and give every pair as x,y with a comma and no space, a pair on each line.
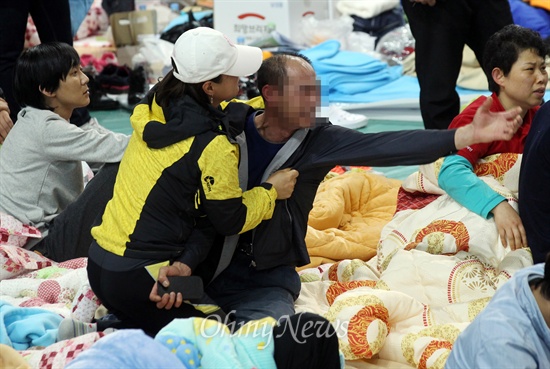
178,185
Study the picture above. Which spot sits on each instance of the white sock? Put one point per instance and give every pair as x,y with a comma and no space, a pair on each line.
70,328
110,330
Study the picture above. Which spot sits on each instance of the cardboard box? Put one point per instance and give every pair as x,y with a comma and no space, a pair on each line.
129,27
147,4
245,21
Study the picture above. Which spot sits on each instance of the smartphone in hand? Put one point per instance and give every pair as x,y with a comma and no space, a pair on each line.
190,287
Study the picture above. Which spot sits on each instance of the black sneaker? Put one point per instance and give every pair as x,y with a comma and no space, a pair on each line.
113,79
98,99
138,86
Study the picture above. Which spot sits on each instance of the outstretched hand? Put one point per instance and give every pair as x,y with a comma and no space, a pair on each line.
489,126
167,301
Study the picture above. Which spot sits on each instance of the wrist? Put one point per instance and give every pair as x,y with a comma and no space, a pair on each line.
183,269
499,205
464,136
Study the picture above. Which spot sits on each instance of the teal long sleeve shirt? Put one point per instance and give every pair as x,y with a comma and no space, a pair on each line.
458,179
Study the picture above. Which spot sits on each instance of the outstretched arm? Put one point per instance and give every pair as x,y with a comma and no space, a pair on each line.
489,126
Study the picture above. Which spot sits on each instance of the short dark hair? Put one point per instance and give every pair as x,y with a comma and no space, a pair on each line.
503,48
544,282
273,69
42,67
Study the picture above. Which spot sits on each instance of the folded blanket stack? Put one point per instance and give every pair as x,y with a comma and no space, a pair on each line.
348,72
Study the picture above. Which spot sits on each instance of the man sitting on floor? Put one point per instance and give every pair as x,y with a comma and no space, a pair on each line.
256,275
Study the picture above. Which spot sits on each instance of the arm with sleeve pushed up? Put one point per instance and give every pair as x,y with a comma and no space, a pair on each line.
336,145
458,179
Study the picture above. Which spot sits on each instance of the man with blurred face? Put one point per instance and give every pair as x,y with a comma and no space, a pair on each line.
255,275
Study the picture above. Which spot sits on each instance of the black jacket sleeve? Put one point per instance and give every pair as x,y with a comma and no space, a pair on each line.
334,145
198,244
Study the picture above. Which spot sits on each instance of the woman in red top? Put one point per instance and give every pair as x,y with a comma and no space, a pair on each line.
514,62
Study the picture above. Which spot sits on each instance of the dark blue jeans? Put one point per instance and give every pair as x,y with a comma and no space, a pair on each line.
245,293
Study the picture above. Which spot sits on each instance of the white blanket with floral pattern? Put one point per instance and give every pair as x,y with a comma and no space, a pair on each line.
436,269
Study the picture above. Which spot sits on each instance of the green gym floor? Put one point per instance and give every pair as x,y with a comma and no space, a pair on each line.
118,121
115,120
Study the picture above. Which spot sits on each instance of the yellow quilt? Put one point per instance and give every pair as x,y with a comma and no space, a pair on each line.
348,215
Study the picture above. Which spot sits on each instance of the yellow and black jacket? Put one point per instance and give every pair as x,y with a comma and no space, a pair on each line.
179,169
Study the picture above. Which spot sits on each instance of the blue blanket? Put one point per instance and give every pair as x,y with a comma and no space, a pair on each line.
24,327
127,348
348,72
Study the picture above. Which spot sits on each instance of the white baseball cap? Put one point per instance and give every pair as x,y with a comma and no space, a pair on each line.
203,53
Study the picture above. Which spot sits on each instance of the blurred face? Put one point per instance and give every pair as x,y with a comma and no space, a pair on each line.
72,93
298,97
226,89
525,85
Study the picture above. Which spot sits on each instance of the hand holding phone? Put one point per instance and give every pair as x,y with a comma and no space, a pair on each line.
190,287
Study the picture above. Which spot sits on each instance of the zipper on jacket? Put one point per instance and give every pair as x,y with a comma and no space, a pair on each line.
252,262
288,211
